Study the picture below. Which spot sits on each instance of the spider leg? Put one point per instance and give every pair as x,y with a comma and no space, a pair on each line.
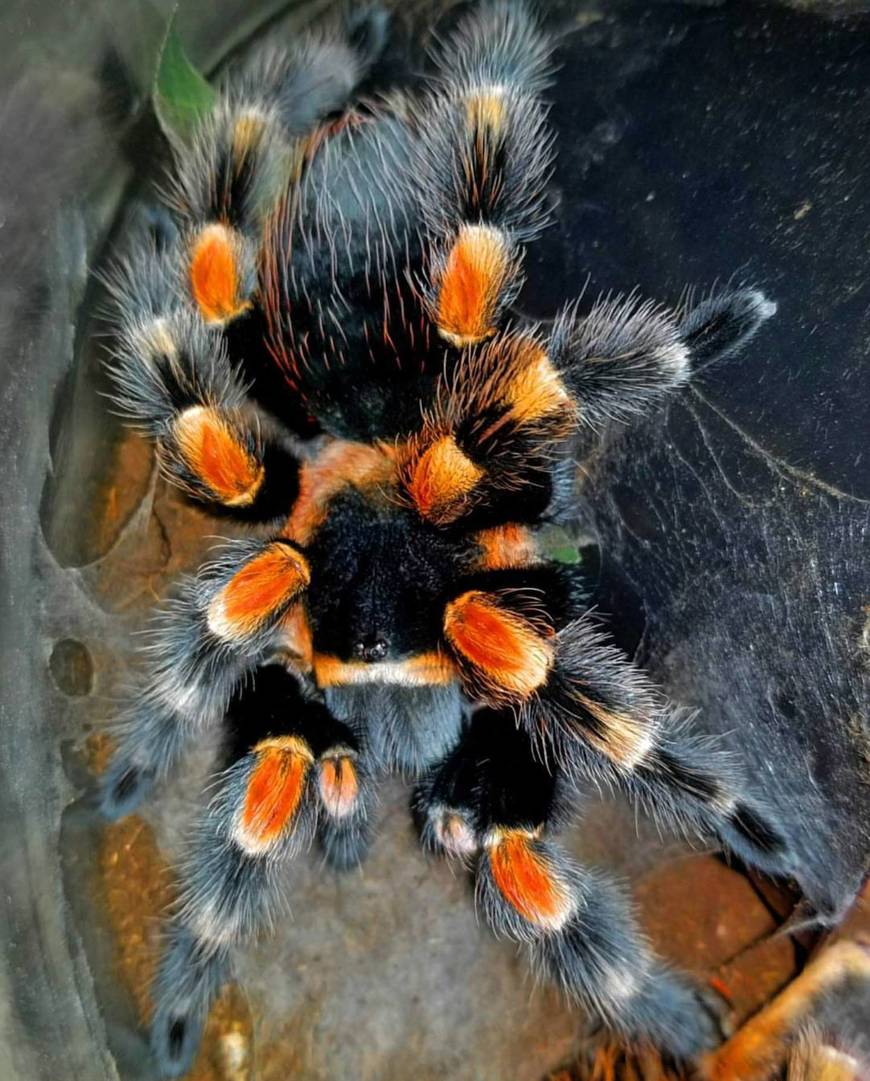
491,448
293,771
483,158
251,146
221,625
174,380
621,358
492,803
522,639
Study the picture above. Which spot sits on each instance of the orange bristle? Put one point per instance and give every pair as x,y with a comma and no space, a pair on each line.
258,592
506,546
341,465
442,476
215,455
527,882
485,109
215,278
538,390
248,133
505,648
338,785
478,267
274,792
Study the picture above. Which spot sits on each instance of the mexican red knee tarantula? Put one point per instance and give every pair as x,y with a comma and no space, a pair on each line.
322,346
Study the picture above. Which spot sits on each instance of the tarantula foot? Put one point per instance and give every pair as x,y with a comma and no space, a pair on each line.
188,981
723,322
124,786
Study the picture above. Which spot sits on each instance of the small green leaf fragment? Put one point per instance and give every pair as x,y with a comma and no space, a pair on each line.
568,554
557,544
182,96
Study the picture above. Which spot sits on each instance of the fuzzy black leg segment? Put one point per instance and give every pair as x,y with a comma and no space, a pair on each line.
491,776
580,934
229,182
174,380
484,155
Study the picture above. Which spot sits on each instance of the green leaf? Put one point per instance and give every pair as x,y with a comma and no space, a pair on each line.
182,97
557,544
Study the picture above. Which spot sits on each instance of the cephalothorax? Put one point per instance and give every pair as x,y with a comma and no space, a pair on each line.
323,346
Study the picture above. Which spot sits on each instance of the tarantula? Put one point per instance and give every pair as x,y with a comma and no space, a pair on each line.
323,346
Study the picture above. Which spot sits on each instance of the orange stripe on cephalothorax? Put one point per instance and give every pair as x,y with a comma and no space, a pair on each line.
440,479
506,546
295,642
217,457
340,465
424,670
258,592
476,270
507,650
339,785
528,881
274,792
216,274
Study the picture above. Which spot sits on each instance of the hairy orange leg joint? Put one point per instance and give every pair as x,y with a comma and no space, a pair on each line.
528,882
216,275
504,646
216,456
339,785
274,792
475,273
258,592
443,476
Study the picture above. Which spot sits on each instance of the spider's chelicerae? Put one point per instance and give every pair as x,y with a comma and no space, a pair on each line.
321,346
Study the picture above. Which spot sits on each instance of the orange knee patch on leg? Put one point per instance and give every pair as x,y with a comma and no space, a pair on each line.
538,391
339,785
216,456
528,882
485,109
274,792
258,592
505,648
442,477
477,269
216,274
